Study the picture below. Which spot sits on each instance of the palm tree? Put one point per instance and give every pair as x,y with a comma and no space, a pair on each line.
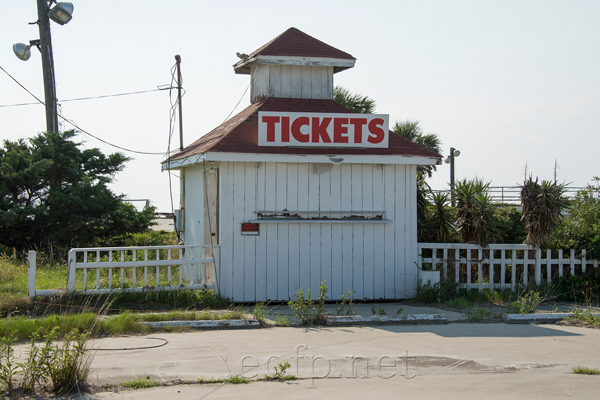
542,209
413,132
353,101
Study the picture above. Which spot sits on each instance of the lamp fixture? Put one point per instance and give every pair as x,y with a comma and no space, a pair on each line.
22,51
61,13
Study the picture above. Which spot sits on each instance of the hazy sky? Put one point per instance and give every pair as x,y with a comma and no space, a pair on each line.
509,83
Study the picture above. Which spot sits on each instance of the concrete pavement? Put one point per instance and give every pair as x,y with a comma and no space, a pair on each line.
429,361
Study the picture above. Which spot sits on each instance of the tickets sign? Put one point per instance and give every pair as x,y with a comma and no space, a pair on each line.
297,129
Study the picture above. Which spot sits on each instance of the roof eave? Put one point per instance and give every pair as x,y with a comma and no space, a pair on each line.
299,158
338,64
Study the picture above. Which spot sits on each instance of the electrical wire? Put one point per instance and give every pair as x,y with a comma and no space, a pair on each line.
89,98
243,94
77,126
19,83
70,122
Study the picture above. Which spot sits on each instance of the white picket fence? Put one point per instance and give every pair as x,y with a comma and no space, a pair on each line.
499,266
103,270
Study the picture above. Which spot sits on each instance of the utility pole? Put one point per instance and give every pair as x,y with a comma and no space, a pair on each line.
182,171
179,83
47,66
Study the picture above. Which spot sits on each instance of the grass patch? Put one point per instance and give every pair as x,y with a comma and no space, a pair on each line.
142,383
459,302
189,316
282,320
586,371
21,328
479,314
236,380
583,318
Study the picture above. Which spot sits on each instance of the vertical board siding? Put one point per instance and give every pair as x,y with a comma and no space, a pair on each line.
335,283
315,232
291,81
270,231
304,229
295,268
370,259
261,245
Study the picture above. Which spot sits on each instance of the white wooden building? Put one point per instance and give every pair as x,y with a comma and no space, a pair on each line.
339,211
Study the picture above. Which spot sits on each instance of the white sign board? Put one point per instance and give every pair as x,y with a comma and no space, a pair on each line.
297,129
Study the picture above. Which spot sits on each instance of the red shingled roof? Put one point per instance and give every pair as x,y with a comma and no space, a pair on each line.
240,133
295,43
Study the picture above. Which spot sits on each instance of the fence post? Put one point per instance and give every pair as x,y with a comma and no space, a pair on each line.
583,261
31,274
538,266
71,274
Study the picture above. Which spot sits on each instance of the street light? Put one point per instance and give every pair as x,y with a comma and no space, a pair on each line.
450,160
61,13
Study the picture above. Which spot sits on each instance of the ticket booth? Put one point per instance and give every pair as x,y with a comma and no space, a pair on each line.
296,188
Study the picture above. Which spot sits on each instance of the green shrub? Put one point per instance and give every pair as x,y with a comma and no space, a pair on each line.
345,307
259,312
428,293
581,227
579,288
306,310
525,304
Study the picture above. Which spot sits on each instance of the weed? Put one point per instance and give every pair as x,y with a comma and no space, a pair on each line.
65,364
32,370
260,312
580,288
399,311
8,365
209,380
346,306
495,297
380,311
585,370
280,373
458,302
525,304
236,380
282,320
479,314
142,383
306,310
585,318
427,292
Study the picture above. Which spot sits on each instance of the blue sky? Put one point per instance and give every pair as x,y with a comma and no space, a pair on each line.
509,83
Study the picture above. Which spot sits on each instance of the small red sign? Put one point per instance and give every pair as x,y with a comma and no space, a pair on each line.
250,228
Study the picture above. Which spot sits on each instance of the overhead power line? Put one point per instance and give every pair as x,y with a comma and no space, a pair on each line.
88,98
77,126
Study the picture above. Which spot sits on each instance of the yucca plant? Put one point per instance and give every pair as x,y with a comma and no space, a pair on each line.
475,214
441,218
543,204
423,215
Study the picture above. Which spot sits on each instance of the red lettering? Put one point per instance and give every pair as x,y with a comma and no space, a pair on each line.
376,133
299,136
358,124
285,129
270,121
340,130
319,130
